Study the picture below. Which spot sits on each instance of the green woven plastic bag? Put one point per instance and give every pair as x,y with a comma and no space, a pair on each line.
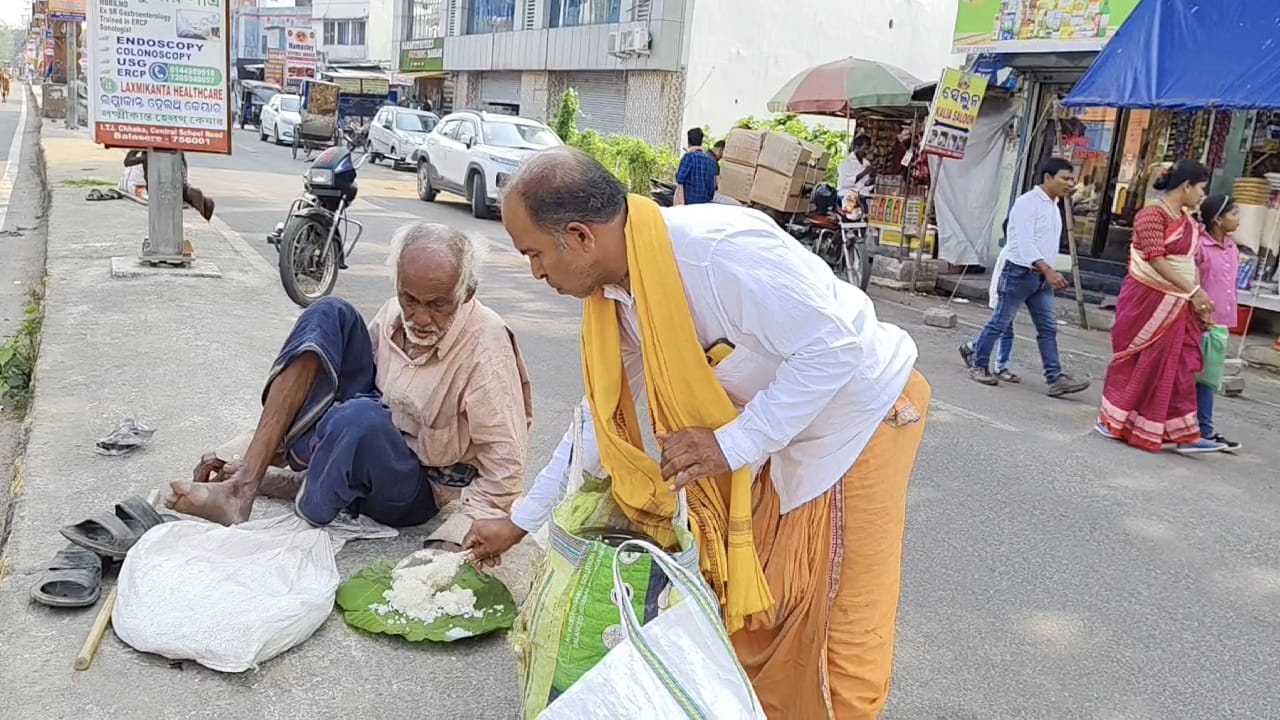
570,622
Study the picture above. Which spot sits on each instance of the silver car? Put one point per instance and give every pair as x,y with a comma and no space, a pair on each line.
397,132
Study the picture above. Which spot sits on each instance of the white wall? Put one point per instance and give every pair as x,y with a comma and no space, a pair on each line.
741,52
383,32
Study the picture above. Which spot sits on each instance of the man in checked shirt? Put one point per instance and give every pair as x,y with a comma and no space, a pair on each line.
696,179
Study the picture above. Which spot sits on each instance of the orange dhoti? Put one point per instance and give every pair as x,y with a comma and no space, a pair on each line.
834,565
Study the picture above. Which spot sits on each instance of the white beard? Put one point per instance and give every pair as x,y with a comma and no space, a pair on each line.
423,340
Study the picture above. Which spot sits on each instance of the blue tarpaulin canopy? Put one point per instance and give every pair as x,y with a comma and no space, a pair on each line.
1189,55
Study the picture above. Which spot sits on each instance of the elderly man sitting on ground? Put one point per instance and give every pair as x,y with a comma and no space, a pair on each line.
390,419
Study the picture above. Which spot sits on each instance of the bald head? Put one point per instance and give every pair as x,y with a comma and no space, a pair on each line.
563,185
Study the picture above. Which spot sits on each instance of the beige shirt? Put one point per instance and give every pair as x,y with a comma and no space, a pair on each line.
468,400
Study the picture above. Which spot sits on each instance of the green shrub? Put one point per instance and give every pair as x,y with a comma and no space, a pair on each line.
18,356
635,162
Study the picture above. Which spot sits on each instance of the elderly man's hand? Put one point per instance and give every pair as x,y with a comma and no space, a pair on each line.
207,469
690,455
487,540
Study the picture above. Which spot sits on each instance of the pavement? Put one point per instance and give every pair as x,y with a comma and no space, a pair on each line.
1048,573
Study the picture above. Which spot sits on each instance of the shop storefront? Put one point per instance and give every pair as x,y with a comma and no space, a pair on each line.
1049,45
422,63
1223,113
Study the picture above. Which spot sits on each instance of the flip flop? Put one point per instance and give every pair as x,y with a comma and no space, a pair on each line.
112,534
72,580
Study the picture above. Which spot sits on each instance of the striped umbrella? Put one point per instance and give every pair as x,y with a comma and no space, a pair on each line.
838,88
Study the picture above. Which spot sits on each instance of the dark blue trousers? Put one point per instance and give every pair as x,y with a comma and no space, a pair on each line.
355,457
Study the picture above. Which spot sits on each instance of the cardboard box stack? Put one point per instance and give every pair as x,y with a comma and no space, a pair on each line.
771,169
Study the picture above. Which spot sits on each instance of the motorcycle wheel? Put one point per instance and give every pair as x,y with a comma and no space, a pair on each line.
857,265
308,264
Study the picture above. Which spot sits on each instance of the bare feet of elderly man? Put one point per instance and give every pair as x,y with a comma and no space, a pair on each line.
227,502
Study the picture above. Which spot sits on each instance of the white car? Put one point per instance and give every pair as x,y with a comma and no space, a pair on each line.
473,153
396,132
279,119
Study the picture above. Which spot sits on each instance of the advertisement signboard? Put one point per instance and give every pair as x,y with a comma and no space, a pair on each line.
422,56
954,114
300,56
67,10
1030,26
273,72
158,74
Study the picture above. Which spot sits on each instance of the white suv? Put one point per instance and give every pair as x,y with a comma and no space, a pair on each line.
472,154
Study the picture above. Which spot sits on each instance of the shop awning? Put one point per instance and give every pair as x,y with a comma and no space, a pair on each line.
1188,55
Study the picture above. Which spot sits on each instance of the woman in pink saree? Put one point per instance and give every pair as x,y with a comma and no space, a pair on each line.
1149,398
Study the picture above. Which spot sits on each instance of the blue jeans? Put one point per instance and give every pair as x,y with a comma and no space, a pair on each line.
1021,285
1205,395
1004,351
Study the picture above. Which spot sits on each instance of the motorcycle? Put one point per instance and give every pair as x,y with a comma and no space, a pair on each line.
317,236
355,136
837,236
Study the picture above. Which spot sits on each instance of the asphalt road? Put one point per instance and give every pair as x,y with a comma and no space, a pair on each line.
1049,573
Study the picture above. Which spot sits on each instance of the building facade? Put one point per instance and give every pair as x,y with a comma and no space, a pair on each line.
422,25
356,31
257,30
651,68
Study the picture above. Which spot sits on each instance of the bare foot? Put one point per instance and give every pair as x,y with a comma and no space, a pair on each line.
225,502
281,483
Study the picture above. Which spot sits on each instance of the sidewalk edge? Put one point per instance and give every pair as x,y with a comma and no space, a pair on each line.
17,479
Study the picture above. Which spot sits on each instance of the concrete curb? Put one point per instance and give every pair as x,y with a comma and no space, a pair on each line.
17,480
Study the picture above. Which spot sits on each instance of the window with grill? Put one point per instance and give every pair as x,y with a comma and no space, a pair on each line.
572,13
530,14
640,10
344,32
426,20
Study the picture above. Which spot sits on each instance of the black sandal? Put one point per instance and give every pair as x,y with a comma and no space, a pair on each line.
72,580
112,534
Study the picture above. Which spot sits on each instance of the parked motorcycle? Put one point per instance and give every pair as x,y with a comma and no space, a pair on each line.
317,235
835,235
838,237
355,136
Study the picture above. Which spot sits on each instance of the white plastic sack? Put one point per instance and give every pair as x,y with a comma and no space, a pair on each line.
228,598
680,665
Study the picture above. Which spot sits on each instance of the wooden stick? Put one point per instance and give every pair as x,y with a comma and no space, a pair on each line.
99,629
1075,261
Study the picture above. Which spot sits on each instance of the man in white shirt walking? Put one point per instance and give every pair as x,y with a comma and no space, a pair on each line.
1035,230
783,406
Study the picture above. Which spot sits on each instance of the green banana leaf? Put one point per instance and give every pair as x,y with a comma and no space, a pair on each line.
493,599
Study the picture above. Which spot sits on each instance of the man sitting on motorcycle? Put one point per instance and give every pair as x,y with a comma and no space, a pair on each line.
856,175
388,420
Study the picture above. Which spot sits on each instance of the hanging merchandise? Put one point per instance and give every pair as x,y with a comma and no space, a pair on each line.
1218,139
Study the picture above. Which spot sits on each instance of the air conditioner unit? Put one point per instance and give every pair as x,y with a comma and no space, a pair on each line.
637,40
617,42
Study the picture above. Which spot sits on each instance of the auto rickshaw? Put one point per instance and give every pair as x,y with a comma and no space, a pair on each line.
254,94
319,126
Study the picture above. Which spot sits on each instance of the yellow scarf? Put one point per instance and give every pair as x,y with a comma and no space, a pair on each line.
683,392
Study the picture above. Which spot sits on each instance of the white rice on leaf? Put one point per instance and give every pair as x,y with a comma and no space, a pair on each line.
426,592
